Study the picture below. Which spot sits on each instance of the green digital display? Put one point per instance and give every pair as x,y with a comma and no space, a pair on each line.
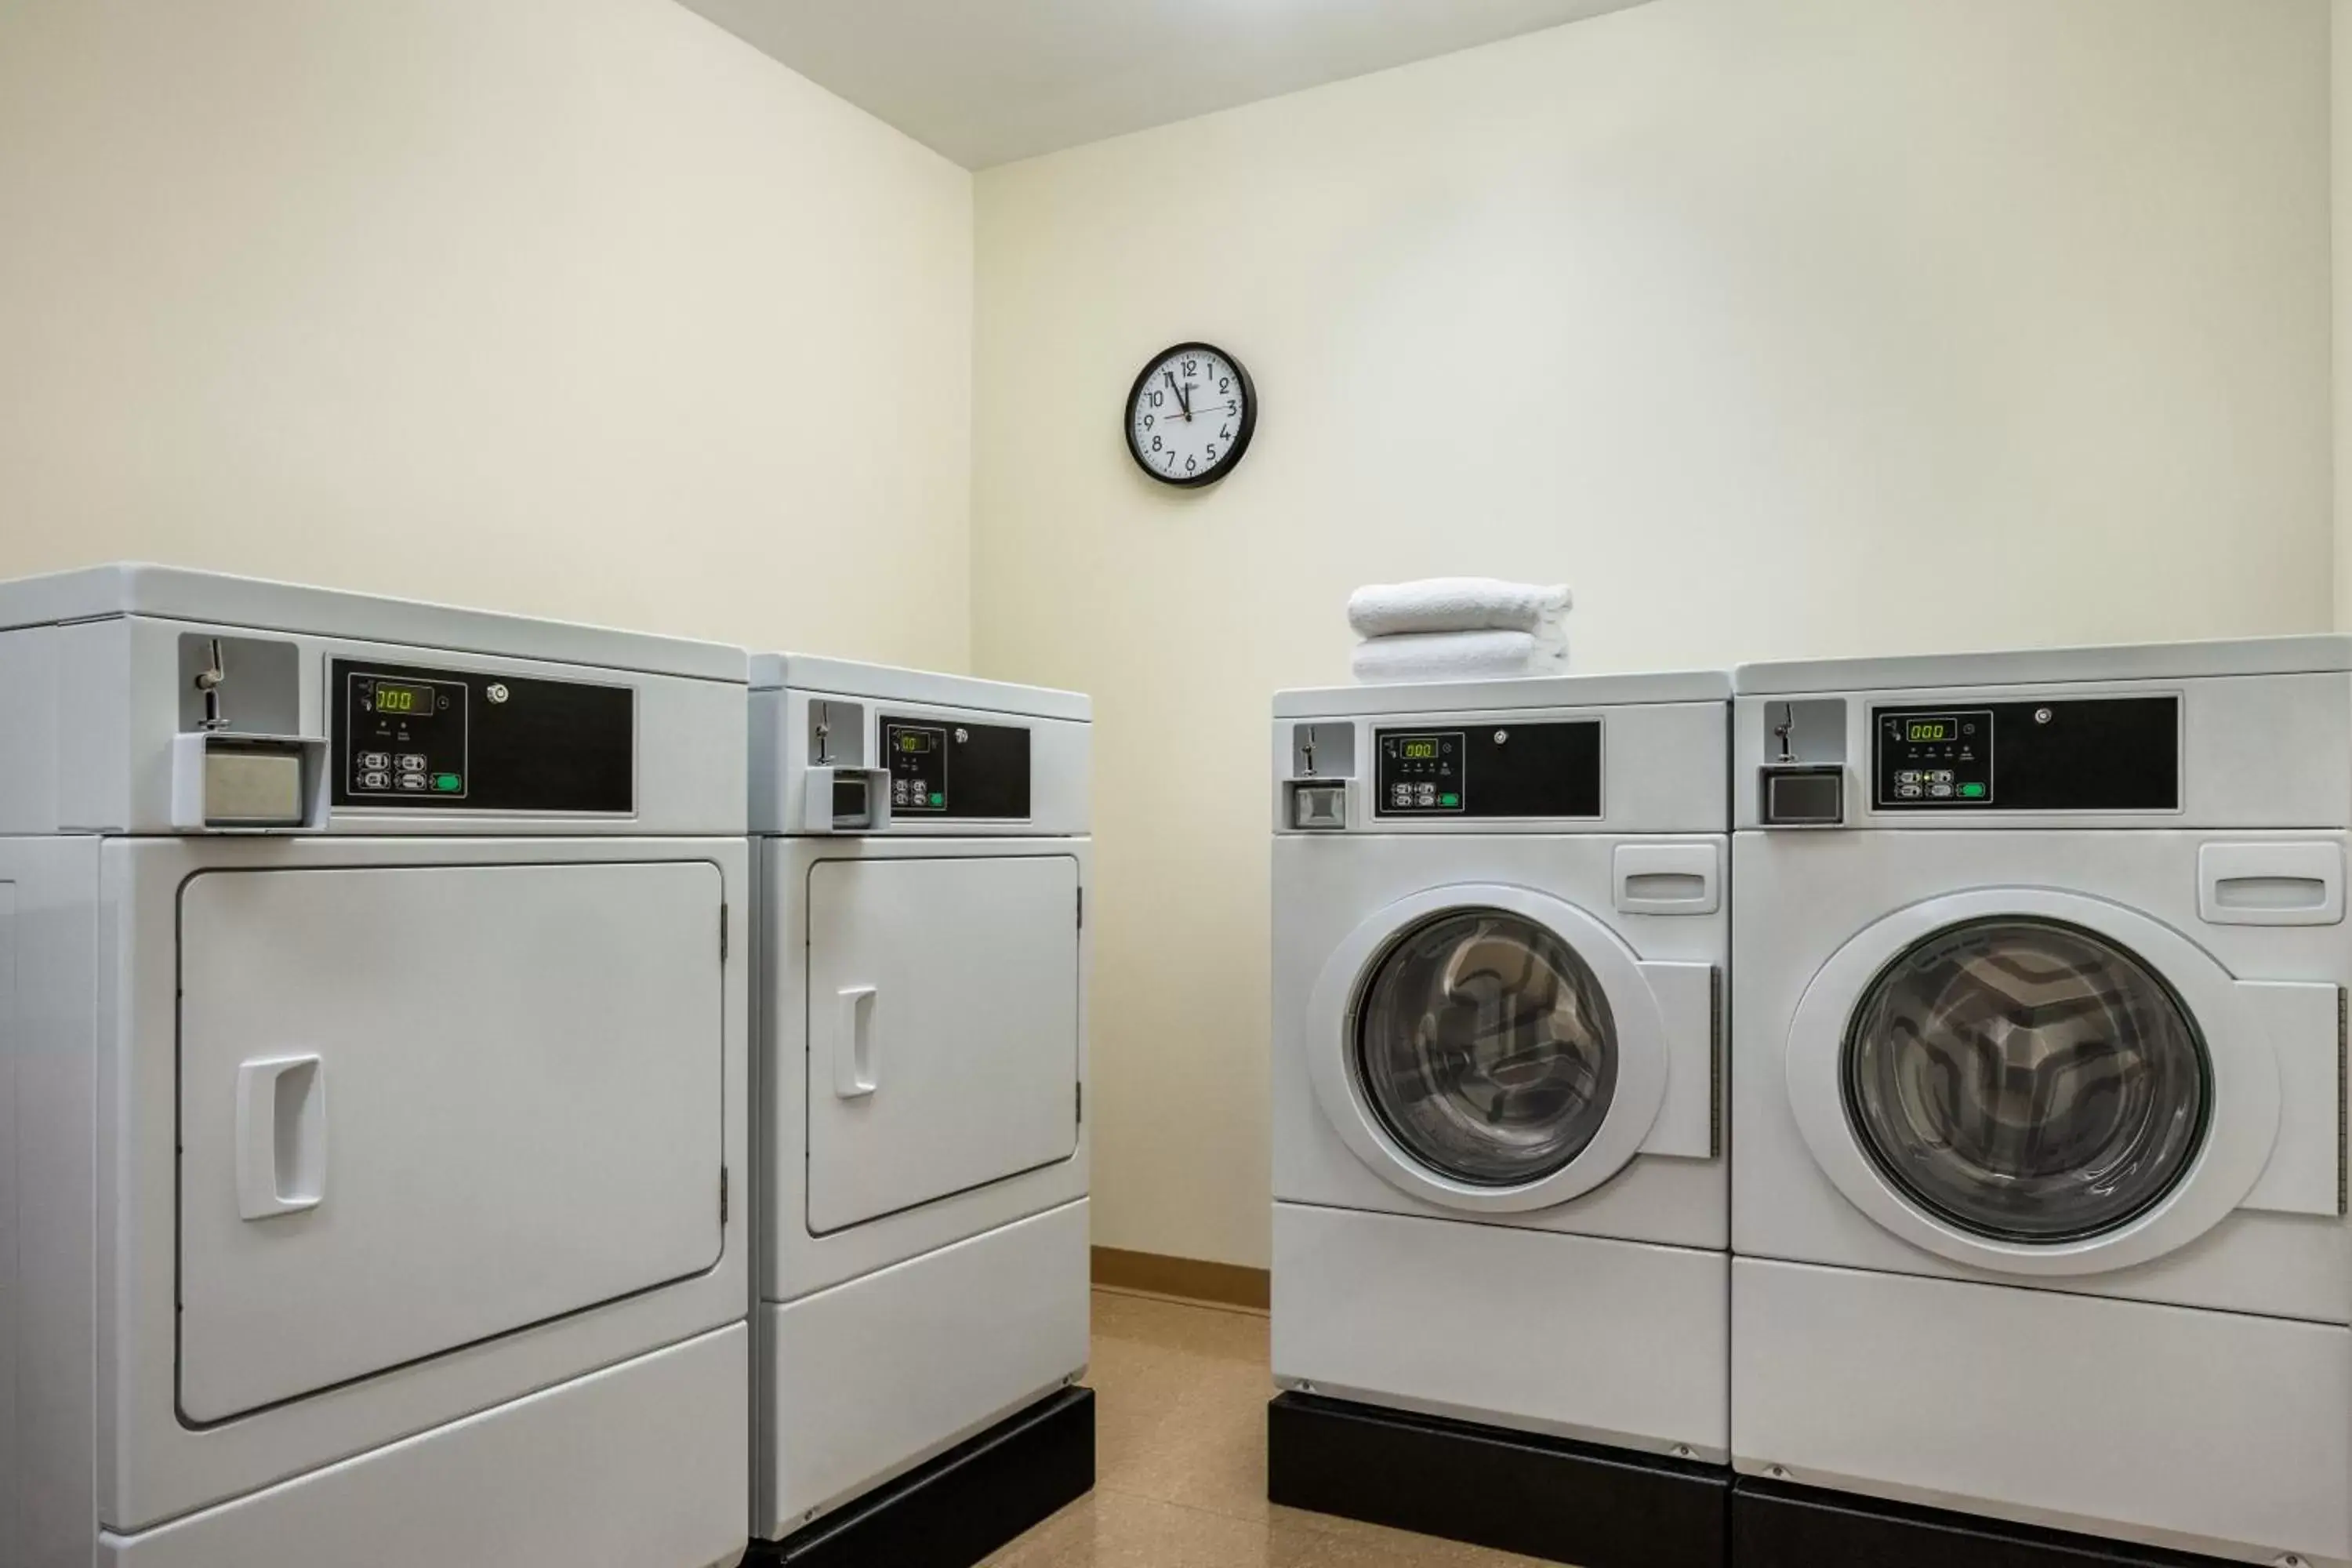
914,741
1417,751
1928,731
395,698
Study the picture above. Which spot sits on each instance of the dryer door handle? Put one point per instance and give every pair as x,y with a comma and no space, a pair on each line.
853,1043
281,1135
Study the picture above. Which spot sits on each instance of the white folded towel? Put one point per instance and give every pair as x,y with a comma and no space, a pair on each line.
1458,656
1457,604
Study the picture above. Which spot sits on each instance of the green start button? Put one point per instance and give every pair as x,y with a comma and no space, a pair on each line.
1972,792
447,783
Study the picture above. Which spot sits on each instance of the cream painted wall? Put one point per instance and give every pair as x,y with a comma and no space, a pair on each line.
1777,327
2340,167
574,307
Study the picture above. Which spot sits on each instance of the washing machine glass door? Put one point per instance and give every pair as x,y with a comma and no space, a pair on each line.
1487,1047
2026,1080
2039,1081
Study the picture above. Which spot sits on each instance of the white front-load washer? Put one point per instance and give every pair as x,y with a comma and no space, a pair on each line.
2039,1183
922,851
371,1072
1501,1216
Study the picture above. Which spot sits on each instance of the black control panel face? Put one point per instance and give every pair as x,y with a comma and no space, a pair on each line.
413,737
957,769
1500,770
2097,754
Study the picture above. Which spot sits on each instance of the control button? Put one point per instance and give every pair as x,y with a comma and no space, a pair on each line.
374,759
412,761
1907,791
939,800
412,781
1941,792
447,783
1972,792
1400,794
1429,794
1940,776
375,778
1907,776
1449,801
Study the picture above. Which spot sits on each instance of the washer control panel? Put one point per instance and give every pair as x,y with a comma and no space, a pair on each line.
1420,771
409,736
1942,758
2090,755
1501,770
956,769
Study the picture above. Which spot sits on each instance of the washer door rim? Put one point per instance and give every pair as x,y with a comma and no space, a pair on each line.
2241,1122
1330,1043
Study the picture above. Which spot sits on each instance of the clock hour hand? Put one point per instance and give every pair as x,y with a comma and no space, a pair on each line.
1182,403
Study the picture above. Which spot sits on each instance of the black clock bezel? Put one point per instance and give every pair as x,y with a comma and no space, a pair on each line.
1241,443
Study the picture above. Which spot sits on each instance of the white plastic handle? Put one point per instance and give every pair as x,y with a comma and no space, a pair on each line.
2290,883
281,1136
852,1044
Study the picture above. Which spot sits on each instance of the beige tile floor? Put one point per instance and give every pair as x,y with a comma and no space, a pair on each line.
1180,1468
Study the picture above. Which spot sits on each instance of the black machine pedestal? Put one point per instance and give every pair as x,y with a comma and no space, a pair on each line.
1543,1497
1778,1525
963,1505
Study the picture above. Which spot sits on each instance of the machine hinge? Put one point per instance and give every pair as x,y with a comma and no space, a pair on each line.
722,1195
1713,1064
1082,1102
722,934
1082,908
2343,1110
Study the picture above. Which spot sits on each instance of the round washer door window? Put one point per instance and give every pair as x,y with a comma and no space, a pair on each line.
2026,1080
1486,1048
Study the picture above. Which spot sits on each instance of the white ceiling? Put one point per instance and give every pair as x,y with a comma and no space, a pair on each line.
987,81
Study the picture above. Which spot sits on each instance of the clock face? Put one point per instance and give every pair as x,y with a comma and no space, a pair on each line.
1190,414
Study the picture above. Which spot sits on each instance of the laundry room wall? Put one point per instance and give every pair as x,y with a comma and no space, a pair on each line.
1776,327
580,308
2340,81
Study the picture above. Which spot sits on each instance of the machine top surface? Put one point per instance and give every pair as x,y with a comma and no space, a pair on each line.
173,593
1497,696
2031,667
890,683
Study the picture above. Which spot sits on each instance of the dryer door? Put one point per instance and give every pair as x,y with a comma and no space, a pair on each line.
1494,1048
942,1028
423,1106
2034,1081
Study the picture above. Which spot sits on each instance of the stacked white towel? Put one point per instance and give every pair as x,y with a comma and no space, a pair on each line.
1459,628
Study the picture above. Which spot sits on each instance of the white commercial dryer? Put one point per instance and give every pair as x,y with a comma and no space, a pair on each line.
2039,1186
1501,1216
922,855
371,1070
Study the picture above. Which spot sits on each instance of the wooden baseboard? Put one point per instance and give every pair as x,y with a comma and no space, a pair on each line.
1192,1278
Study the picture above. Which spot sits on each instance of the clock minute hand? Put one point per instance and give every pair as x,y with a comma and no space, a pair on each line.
1182,402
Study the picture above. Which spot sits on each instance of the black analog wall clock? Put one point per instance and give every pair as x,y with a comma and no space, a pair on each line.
1190,414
